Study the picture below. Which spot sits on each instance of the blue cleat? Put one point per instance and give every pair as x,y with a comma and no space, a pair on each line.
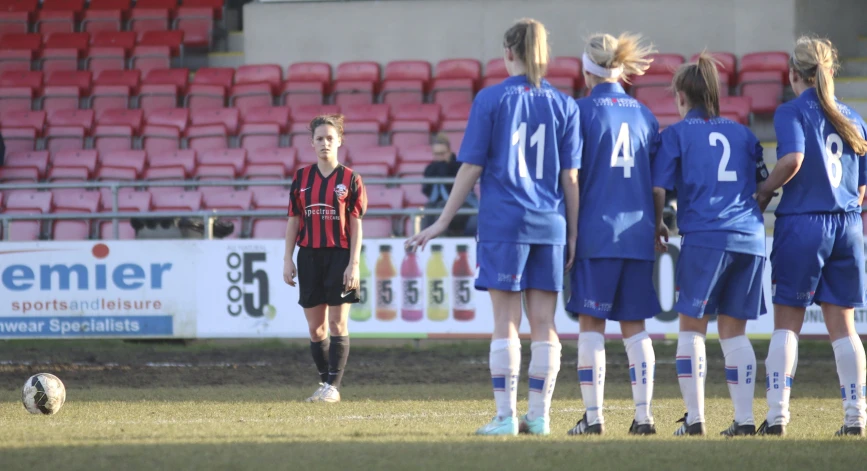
500,426
537,426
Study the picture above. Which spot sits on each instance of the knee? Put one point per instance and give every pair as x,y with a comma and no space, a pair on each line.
318,333
337,327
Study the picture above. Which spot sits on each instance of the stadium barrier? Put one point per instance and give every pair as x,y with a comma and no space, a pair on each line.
235,289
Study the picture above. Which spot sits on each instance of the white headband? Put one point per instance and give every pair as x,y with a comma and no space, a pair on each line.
598,70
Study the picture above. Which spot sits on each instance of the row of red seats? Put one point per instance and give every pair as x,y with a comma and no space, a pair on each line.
162,199
265,163
36,9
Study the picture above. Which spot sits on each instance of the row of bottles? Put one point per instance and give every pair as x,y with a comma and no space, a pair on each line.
414,284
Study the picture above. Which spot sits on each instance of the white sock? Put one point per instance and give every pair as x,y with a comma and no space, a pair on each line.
591,373
544,366
691,363
642,364
780,369
849,352
741,376
505,362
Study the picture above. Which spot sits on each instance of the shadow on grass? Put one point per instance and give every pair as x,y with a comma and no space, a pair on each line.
479,454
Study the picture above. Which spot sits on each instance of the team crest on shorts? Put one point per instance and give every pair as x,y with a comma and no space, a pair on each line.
340,190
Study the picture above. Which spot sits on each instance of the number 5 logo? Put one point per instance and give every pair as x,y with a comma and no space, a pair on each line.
242,272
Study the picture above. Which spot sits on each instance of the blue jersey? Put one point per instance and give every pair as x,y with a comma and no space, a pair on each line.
831,173
713,165
523,137
620,137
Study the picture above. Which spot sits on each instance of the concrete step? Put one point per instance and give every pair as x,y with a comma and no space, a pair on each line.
850,87
763,128
862,45
236,42
225,59
854,67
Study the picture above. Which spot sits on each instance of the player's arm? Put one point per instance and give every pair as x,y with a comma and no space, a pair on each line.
569,182
790,153
664,172
289,270
357,208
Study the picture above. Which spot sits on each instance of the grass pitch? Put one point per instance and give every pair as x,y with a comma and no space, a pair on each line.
422,418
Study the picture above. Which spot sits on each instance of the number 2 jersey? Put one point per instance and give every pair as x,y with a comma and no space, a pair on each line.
523,137
831,173
715,165
620,137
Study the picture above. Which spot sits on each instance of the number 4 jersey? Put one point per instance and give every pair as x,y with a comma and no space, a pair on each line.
620,136
523,137
831,173
715,165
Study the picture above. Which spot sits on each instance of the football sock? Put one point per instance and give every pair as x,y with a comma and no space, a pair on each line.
691,363
544,366
740,364
319,350
642,364
849,352
337,355
505,364
591,374
780,369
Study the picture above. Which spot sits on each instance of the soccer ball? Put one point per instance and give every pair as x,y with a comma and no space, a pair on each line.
43,393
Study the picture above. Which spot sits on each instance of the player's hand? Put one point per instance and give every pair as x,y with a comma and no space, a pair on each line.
289,272
661,235
764,199
422,238
570,252
351,278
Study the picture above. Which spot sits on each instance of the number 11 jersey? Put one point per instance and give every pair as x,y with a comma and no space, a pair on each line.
523,137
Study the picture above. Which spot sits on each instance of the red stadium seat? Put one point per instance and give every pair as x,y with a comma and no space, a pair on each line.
23,119
270,74
123,5
310,72
415,169
123,39
726,67
124,159
121,117
227,117
211,172
13,22
19,139
371,170
101,20
126,78
173,173
60,98
197,25
176,117
182,160
382,155
18,175
29,79
68,174
450,91
454,131
664,64
156,138
269,228
663,107
496,69
108,97
27,202
377,227
60,138
22,41
176,201
648,88
86,159
278,115
112,137
78,41
307,156
302,93
72,118
222,76
255,136
238,200
101,59
177,77
736,108
15,99
147,58
306,113
171,39
251,95
128,201
413,196
397,92
285,156
429,113
142,20
157,97
48,22
360,134
378,113
169,5
205,97
115,174
37,160
364,71
774,61
410,133
12,60
565,74
79,79
408,70
234,158
416,154
353,92
206,137
265,172
78,202
457,112
459,69
215,5
270,199
63,5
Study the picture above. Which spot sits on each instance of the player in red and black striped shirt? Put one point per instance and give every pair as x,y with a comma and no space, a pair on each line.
326,204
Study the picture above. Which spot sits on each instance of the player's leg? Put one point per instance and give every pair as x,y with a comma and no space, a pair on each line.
501,267
594,285
698,274
312,300
543,280
636,300
794,282
335,262
840,291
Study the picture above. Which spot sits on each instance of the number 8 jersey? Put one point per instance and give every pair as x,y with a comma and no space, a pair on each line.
523,137
620,135
831,173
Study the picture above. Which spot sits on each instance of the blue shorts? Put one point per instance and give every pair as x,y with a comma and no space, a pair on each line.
509,266
716,281
818,258
615,289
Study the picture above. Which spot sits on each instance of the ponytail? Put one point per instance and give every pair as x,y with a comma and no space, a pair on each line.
699,81
815,62
528,40
624,55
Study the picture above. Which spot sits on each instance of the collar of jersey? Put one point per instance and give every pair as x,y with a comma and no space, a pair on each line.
516,80
696,113
607,88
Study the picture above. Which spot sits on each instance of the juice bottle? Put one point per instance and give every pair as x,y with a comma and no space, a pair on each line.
462,286
361,311
386,304
437,300
412,308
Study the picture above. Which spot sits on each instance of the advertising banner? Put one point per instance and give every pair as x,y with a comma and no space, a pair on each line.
122,289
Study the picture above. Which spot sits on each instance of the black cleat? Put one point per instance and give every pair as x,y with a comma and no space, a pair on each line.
847,431
642,429
693,429
736,430
581,428
773,430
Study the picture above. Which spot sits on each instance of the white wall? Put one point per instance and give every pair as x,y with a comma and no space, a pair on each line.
841,21
436,29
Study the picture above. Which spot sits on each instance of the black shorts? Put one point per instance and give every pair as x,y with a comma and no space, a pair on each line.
320,277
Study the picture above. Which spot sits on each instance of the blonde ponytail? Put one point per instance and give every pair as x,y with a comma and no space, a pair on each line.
815,62
528,40
624,52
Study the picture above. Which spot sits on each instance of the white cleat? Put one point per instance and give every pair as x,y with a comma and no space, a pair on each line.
329,394
317,394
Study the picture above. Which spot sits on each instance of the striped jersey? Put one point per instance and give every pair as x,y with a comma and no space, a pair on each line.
324,205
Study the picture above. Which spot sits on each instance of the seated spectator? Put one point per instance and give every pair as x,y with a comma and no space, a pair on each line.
445,164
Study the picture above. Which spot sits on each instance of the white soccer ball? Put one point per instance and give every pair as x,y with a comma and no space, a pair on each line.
43,393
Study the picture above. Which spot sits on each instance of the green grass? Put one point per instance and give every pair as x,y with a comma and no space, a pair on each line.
410,425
